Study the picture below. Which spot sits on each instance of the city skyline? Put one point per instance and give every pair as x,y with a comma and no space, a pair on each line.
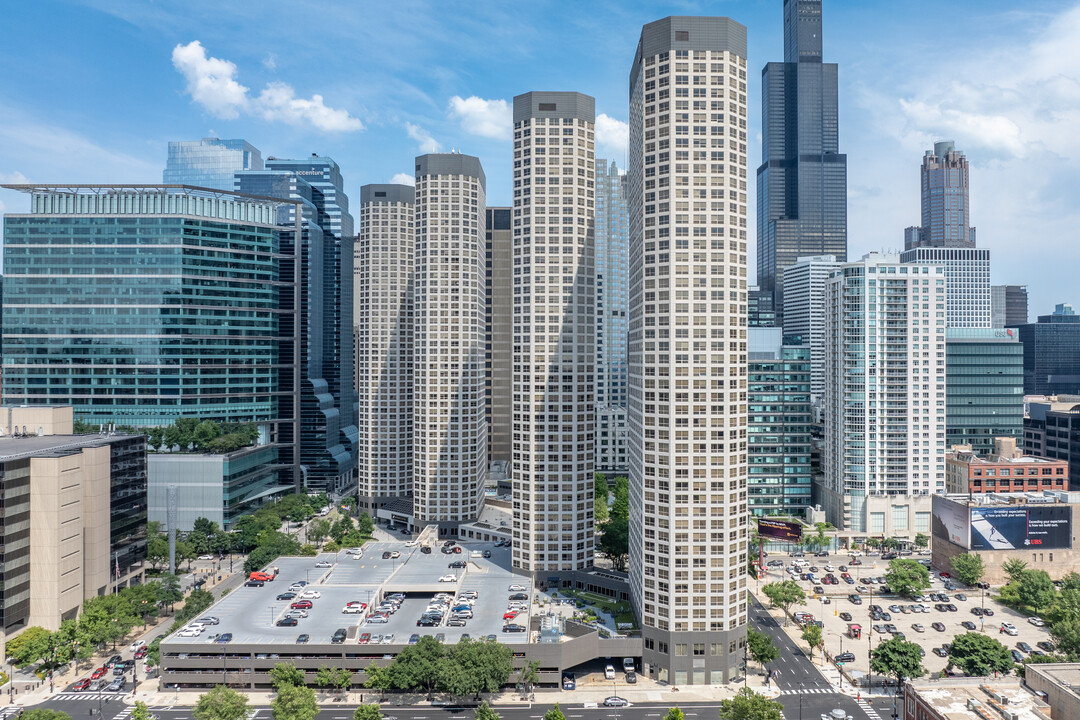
92,129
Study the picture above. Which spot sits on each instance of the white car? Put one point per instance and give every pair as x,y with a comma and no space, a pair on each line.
388,638
354,609
354,551
609,672
448,578
298,614
324,564
1009,629
1036,621
516,588
378,620
830,568
206,557
137,644
394,555
310,595
412,543
855,553
189,633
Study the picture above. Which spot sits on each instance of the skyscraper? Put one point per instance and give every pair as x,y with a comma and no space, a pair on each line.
759,308
449,424
498,331
802,181
884,386
1051,353
1008,306
612,240
210,162
383,264
946,240
687,412
554,332
805,315
984,387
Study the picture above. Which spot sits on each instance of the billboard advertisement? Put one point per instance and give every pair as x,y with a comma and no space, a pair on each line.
951,521
1020,527
779,529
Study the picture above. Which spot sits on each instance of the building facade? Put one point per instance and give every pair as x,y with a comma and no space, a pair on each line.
1004,469
498,331
805,313
449,423
946,205
778,424
383,271
1051,353
884,385
687,411
1052,430
1008,306
554,331
802,180
967,282
759,308
612,312
210,162
984,387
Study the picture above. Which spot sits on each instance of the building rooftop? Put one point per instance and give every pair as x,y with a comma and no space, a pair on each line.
973,699
15,448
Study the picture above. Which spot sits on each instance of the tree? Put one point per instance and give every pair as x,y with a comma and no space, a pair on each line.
600,499
922,540
44,714
283,674
319,530
484,666
377,678
615,540
29,646
368,712
620,506
761,648
968,568
674,714
529,675
141,712
554,713
890,543
979,655
221,703
1036,589
168,591
417,666
1066,634
363,523
784,594
1070,581
897,658
205,526
298,514
748,705
336,678
812,635
485,712
295,702
873,542
907,577
1014,567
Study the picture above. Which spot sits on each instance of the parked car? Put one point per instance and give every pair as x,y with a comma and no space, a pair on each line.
1024,647
254,583
967,625
288,622
845,616
845,657
1036,621
569,681
615,701
631,677
301,605
511,628
141,652
1009,629
302,638
224,638
609,672
339,636
456,622
448,578
1016,656
456,565
286,596
1048,647
324,564
311,595
414,638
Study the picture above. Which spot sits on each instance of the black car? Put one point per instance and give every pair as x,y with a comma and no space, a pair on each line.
1048,647
286,596
631,677
112,662
845,616
983,585
386,555
987,612
1024,647
968,625
976,611
855,600
951,607
428,621
287,622
940,652
254,583
845,657
457,564
1016,656
822,553
886,616
224,638
426,550
960,596
301,639
519,596
487,553
339,636
513,628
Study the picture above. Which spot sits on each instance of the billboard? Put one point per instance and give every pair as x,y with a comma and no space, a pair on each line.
779,529
951,521
1019,527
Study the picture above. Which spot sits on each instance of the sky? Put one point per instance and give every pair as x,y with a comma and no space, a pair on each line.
93,90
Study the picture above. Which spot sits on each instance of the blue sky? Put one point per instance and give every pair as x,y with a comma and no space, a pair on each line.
92,91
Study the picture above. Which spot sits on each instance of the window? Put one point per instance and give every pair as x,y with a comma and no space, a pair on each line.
547,107
682,35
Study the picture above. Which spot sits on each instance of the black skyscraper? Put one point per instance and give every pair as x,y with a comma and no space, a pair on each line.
802,181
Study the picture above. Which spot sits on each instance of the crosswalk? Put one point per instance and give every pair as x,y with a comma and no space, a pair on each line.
123,714
870,711
809,691
85,696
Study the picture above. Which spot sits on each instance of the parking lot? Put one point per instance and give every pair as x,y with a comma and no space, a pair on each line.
834,608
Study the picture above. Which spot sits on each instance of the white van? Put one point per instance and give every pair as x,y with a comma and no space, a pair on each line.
476,554
800,563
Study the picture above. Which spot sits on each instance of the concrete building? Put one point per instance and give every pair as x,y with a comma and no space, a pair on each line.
74,510
778,424
1038,528
967,282
963,698
804,313
1008,306
1056,684
984,387
802,180
210,162
383,272
884,385
687,414
946,204
1052,430
612,314
554,332
498,334
1007,469
449,426
1052,353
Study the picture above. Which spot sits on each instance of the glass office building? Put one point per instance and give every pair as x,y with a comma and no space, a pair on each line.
778,429
1052,353
612,311
210,162
141,304
984,387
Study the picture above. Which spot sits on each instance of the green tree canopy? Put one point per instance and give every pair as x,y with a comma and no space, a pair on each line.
600,498
760,646
294,702
897,658
221,703
1014,568
44,714
368,712
907,577
979,655
811,635
1036,589
674,714
554,713
417,666
283,674
615,540
620,507
485,712
141,712
922,540
749,705
784,594
29,646
364,524
968,568
1066,634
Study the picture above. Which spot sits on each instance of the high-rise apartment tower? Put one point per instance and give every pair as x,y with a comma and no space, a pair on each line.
687,414
498,330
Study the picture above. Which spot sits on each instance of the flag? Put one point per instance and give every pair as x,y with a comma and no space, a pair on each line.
117,558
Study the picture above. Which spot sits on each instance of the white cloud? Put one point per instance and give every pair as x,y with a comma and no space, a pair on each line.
13,178
403,179
487,118
270,61
425,142
613,136
212,83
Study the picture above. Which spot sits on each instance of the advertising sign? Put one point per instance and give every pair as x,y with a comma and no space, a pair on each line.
779,529
951,521
1020,527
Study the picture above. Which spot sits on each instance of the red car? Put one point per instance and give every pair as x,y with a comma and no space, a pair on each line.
364,639
457,549
81,685
945,575
99,673
301,605
509,615
141,652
